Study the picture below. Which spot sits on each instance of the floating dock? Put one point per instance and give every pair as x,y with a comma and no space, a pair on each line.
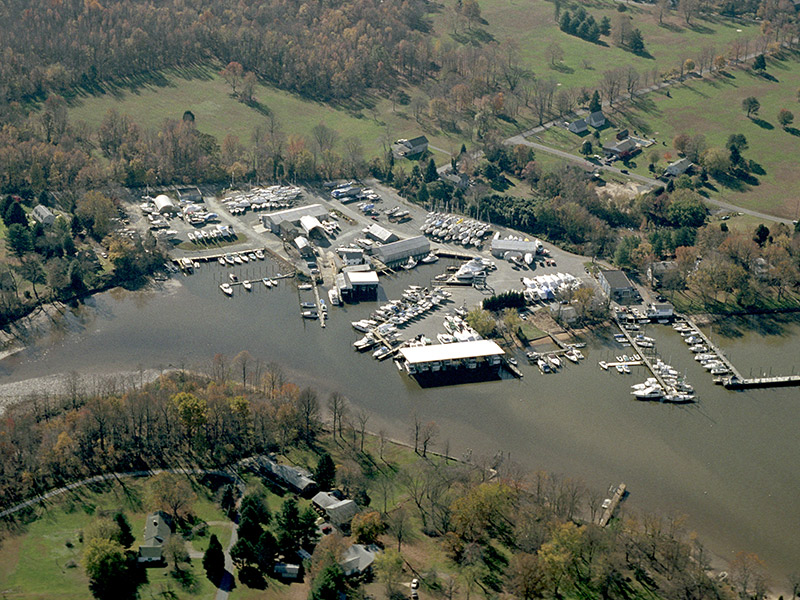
644,360
716,350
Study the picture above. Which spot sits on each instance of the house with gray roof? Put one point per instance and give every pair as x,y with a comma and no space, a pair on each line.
679,167
156,535
339,512
622,149
616,285
597,119
43,215
413,147
578,127
358,559
295,478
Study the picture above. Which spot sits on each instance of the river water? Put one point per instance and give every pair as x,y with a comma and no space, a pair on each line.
728,462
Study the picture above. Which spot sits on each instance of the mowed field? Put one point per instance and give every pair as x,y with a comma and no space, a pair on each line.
713,107
218,113
532,25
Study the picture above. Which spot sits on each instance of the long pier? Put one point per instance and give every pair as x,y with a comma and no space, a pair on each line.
643,357
615,500
320,312
715,349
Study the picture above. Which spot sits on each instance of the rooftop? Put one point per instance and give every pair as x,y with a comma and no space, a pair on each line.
617,279
456,351
362,277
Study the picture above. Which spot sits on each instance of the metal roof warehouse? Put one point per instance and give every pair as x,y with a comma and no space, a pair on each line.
455,351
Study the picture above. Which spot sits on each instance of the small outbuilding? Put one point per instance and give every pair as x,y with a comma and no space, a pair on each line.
295,478
286,571
43,215
679,167
303,247
351,256
339,512
413,147
165,205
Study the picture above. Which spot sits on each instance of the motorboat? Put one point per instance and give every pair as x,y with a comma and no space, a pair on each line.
229,259
554,360
603,365
247,285
273,282
544,366
252,256
304,286
244,258
619,369
363,325
221,261
259,254
267,282
226,288
237,259
579,354
233,277
626,369
649,393
308,305
333,297
410,264
430,258
570,356
309,314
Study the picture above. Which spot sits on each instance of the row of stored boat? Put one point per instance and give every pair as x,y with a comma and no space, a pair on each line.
710,360
204,236
247,284
457,229
239,258
270,198
551,362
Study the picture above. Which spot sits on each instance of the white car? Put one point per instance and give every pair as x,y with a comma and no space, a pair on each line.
415,584
606,503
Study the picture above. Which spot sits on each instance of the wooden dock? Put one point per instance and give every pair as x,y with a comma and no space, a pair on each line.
513,369
619,493
734,383
320,312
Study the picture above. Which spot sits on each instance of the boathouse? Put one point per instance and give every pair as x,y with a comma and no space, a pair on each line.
396,253
520,247
165,205
443,357
356,284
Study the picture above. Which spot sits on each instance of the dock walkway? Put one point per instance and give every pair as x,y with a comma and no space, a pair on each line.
714,348
643,357
615,500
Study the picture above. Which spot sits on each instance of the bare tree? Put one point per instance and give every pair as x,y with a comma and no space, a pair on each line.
631,80
554,53
611,83
308,408
427,436
241,361
417,428
362,416
337,405
542,91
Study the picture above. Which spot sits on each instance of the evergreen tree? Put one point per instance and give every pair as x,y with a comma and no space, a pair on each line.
760,63
636,42
254,509
328,584
430,172
422,194
214,560
125,536
605,26
595,104
15,214
565,22
325,473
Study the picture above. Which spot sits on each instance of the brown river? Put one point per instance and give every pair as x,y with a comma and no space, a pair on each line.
729,462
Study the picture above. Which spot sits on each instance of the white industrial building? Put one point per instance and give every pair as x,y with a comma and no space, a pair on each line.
293,216
499,247
380,234
165,205
443,357
395,253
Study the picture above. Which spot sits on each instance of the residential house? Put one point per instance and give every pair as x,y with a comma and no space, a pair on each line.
616,285
458,180
657,270
339,511
622,149
351,256
660,310
43,215
679,167
578,127
358,559
597,119
413,147
156,534
295,478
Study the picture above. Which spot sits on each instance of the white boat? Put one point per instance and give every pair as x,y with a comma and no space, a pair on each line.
273,282
304,286
603,365
544,367
579,354
445,338
221,261
619,369
226,288
259,254
309,314
570,356
237,259
229,259
626,369
252,256
649,393
244,258
333,297
267,283
247,285
431,258
554,360
410,264
528,258
233,277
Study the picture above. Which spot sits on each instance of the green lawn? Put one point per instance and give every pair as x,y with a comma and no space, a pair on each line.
687,110
532,25
43,562
218,113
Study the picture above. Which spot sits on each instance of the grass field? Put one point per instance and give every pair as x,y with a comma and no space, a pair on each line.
218,113
686,110
43,562
532,25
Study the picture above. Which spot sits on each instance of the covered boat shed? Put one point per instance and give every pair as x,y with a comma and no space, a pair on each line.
443,356
397,252
311,225
165,205
500,247
273,220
